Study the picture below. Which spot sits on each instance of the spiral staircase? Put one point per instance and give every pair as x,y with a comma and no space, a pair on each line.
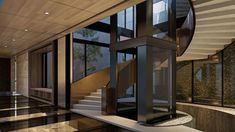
215,28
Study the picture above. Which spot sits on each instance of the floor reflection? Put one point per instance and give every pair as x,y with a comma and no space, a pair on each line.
19,113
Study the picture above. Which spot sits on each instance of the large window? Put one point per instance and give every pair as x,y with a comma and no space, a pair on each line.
97,58
88,59
126,24
229,76
47,70
126,18
78,61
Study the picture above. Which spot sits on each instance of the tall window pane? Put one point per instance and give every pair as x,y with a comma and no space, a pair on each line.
184,81
208,81
160,11
78,61
129,18
121,19
229,76
49,70
97,57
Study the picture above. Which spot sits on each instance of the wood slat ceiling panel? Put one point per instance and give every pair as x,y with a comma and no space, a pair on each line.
94,6
18,15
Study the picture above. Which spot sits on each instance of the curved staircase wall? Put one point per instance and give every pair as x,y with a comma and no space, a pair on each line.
92,83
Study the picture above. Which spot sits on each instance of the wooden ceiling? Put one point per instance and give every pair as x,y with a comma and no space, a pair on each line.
25,24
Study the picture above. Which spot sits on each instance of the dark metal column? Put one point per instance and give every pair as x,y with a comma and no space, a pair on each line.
172,81
144,62
67,70
55,71
109,99
145,83
172,62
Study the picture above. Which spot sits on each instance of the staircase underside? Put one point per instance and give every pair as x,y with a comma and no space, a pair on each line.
215,28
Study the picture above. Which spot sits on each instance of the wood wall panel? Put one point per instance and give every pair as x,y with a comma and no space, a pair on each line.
22,74
97,80
208,120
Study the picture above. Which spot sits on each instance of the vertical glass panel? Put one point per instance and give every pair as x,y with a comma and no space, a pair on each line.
129,57
121,19
160,19
229,76
184,81
129,18
78,61
49,70
92,35
126,24
160,11
97,58
160,80
208,81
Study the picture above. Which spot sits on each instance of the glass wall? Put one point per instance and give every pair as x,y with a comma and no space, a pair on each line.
90,50
208,81
126,24
184,81
126,18
229,76
88,59
212,80
160,78
78,61
98,58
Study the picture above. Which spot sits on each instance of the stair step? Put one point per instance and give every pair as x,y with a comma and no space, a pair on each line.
90,102
86,107
97,98
96,94
99,90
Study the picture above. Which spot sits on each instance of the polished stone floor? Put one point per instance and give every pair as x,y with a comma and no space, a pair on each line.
19,113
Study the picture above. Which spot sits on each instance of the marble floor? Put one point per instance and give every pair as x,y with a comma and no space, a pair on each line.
22,114
133,125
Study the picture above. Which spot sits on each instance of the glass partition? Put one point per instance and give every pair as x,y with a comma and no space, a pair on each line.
184,81
161,82
208,81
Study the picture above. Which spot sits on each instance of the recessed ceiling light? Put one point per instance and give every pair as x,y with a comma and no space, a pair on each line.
26,30
46,13
13,40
